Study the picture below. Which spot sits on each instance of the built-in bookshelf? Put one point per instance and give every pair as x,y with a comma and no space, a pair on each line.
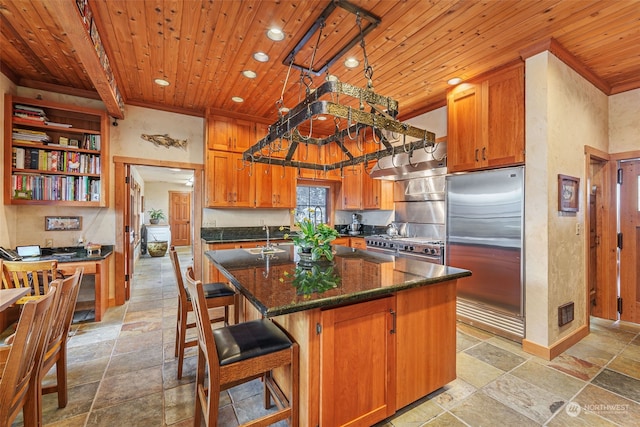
55,153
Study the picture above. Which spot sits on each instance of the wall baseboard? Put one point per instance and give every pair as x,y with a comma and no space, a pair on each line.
549,353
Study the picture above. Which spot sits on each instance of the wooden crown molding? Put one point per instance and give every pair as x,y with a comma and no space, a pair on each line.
553,46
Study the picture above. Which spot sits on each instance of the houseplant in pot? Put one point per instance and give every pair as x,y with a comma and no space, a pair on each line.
313,240
155,215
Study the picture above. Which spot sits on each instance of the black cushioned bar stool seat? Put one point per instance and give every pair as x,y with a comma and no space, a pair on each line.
249,339
214,290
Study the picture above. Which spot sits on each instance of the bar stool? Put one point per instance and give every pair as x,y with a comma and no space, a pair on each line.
239,353
216,294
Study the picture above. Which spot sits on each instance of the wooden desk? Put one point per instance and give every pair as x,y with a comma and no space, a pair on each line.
99,268
7,298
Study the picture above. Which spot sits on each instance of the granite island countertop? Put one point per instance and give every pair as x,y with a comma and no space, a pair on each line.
278,283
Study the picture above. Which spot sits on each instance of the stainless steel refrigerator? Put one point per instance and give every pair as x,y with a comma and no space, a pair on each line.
484,229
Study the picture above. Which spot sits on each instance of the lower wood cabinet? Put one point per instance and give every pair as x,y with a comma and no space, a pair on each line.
357,363
361,363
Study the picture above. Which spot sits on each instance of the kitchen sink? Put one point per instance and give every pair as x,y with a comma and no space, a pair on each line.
261,250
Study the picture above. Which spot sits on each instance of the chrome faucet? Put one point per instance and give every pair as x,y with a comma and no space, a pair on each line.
317,208
268,245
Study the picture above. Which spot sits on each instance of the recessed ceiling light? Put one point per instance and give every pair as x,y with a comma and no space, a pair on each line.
261,57
275,34
454,81
321,118
237,99
249,74
351,62
283,110
331,78
161,82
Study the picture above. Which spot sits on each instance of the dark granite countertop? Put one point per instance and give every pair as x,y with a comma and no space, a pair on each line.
278,283
75,254
255,234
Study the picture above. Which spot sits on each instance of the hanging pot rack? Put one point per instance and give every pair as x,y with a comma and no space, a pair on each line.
279,146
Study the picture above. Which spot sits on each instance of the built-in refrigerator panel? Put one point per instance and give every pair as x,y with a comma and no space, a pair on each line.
484,234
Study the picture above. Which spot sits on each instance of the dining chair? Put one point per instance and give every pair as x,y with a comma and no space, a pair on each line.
20,360
235,354
55,348
36,275
216,294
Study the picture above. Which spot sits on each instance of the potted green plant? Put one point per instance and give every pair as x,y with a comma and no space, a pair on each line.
155,215
314,239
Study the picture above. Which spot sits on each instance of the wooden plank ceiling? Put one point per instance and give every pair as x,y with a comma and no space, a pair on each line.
201,47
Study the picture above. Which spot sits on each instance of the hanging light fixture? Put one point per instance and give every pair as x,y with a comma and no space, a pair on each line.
344,103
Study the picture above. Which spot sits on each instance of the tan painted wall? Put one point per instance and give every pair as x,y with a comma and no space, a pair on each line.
624,122
564,113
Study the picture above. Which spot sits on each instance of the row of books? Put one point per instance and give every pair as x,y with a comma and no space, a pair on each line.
56,187
58,161
27,136
29,113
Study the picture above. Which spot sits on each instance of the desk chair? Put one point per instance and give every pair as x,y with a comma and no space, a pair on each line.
55,349
239,353
23,357
216,294
29,274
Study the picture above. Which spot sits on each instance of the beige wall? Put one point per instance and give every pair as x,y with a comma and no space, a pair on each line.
624,122
563,114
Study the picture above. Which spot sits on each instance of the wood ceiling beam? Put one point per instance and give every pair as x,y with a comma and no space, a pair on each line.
70,19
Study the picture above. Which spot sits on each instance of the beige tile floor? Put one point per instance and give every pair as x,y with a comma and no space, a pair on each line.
122,372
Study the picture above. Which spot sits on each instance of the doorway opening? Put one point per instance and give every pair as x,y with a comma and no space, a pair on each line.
128,211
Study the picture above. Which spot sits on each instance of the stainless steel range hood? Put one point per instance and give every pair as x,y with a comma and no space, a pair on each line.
420,163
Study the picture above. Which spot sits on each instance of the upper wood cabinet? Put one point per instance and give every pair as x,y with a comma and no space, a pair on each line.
275,186
486,121
224,133
228,180
55,154
376,193
351,189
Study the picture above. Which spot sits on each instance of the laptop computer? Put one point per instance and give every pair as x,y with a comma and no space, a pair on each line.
29,253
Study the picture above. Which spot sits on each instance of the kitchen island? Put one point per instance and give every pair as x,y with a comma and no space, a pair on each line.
376,332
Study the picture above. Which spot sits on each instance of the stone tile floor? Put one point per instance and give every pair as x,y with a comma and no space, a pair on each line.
122,372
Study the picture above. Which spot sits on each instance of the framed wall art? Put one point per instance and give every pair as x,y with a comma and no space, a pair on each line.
568,193
62,223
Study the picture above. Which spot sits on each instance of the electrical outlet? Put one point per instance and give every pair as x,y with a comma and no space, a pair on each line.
262,222
578,229
80,240
48,243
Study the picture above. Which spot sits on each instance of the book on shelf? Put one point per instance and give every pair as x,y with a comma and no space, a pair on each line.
61,125
63,140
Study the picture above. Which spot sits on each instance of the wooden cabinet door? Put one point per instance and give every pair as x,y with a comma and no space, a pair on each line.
243,182
219,133
218,181
275,186
263,185
464,108
245,135
351,191
228,180
505,114
426,340
309,153
284,187
376,193
361,392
